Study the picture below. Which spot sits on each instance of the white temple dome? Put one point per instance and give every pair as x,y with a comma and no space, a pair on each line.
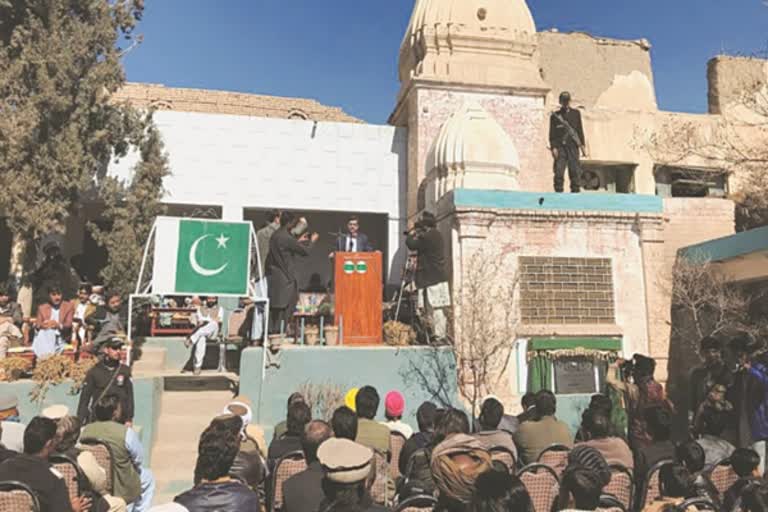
474,42
471,150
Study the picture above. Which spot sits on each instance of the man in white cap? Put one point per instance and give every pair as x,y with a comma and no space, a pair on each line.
348,467
55,412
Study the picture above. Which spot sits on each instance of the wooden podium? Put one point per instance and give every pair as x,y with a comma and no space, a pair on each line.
358,290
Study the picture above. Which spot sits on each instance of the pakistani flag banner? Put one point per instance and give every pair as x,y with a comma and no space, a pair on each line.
201,257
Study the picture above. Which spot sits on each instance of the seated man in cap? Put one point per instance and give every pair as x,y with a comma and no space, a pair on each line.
394,406
456,463
108,377
304,492
10,323
54,322
347,467
10,422
133,482
32,468
369,432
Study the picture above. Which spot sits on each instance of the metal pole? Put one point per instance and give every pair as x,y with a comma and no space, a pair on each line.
144,257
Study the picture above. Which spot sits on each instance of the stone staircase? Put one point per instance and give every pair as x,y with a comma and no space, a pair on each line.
183,417
151,362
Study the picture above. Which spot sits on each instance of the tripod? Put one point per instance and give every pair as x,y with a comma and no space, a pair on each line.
407,277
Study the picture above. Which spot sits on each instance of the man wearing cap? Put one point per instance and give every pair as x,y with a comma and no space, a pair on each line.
108,377
566,140
346,467
12,433
394,406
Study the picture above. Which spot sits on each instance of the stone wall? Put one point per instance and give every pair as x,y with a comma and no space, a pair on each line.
588,66
729,77
566,291
182,99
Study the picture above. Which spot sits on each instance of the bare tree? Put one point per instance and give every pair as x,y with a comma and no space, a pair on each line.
706,303
323,399
486,325
736,141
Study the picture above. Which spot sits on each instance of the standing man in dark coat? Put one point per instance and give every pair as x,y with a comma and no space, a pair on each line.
108,377
703,378
566,140
284,253
431,273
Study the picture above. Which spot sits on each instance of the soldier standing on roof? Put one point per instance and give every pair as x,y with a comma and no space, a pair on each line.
566,140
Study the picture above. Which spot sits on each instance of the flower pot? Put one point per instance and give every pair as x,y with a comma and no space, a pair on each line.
331,335
312,335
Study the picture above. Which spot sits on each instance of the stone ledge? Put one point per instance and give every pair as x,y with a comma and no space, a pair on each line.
570,330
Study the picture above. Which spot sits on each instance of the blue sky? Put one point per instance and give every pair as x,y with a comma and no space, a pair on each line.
344,52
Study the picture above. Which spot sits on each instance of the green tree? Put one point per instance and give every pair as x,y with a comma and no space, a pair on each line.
60,63
130,212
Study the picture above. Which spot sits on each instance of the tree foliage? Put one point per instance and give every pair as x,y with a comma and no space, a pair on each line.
735,141
130,212
60,64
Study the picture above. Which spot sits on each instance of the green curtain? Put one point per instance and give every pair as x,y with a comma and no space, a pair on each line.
619,418
539,374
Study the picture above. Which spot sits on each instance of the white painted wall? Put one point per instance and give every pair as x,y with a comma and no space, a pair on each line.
242,162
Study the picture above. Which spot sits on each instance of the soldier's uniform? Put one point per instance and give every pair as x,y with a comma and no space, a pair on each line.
562,139
106,378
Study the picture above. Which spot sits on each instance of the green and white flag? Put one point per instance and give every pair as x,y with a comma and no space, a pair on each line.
201,257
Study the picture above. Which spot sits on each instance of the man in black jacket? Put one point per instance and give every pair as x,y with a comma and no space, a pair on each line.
431,273
215,489
108,377
304,492
285,252
566,140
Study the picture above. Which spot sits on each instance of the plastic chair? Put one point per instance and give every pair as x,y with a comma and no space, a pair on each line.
16,496
288,465
609,503
722,475
555,456
104,456
396,443
418,503
542,483
622,485
73,475
505,456
651,489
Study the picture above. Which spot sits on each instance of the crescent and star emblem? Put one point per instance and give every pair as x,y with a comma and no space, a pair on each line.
221,243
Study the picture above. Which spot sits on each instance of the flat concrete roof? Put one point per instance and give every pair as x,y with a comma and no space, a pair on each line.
742,257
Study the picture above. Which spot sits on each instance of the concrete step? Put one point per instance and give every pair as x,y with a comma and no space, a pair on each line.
152,360
184,415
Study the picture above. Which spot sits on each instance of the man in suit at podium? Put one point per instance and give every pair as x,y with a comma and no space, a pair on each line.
353,240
